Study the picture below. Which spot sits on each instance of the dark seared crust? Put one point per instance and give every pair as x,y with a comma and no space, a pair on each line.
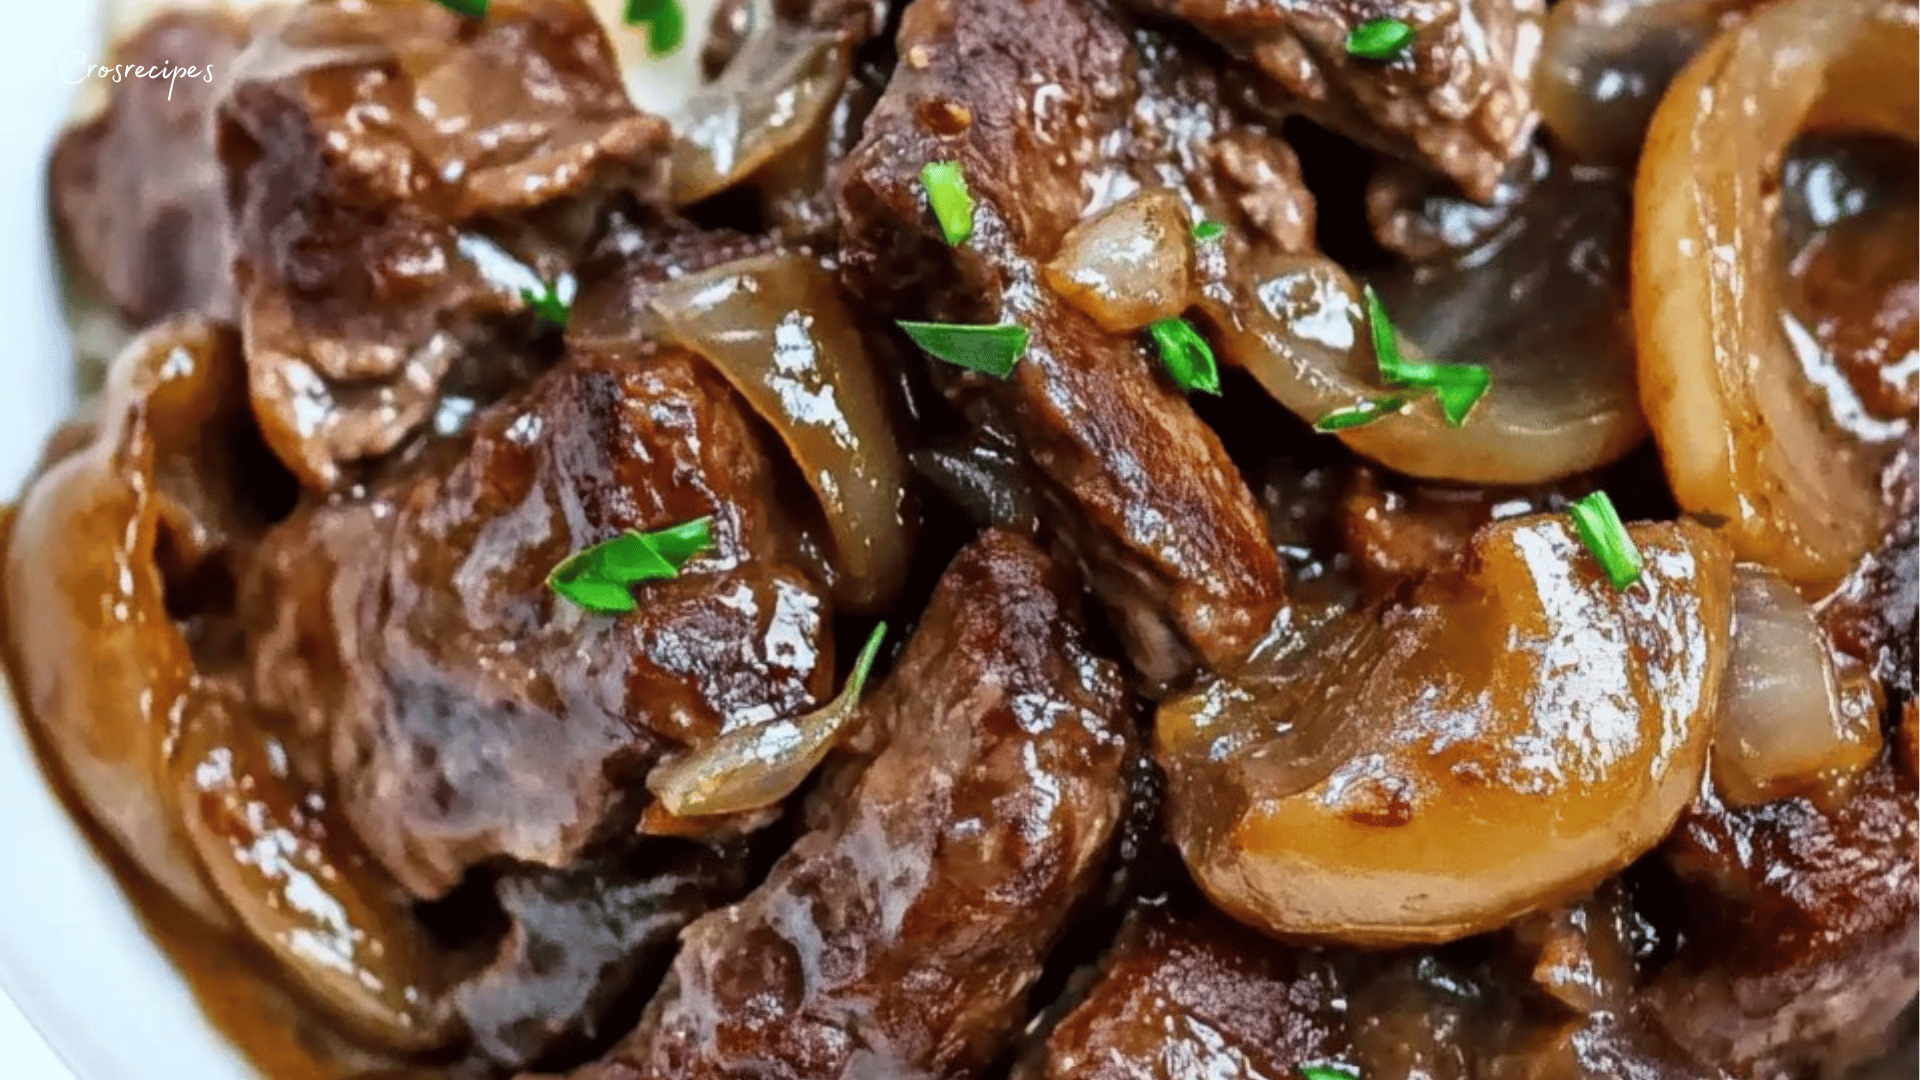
137,194
366,149
1459,99
468,712
900,937
1801,933
1042,103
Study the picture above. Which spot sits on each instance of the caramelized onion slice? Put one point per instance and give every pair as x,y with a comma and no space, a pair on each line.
779,331
1798,718
1501,738
1130,264
754,767
1605,63
102,671
1741,430
1541,303
779,89
299,883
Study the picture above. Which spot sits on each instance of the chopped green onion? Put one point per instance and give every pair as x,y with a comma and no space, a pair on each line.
666,24
1379,39
600,578
863,665
1360,415
1186,355
992,350
1458,386
472,9
1328,1072
548,304
1209,230
1599,526
947,195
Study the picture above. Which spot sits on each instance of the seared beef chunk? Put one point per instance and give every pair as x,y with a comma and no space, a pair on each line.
583,940
1874,614
465,710
1459,99
383,164
1183,999
1801,930
898,939
137,195
1145,498
1192,997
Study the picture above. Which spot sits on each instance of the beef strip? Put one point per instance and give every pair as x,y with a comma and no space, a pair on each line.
1055,109
136,192
465,711
398,176
1458,100
898,939
1801,930
1193,997
583,942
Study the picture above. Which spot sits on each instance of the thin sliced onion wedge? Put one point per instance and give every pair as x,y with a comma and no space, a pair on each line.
757,766
1298,327
1796,717
1130,264
1743,434
781,87
777,328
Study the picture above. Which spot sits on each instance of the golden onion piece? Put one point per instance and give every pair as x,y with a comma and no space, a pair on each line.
778,330
1799,717
1742,432
1499,739
1128,265
780,88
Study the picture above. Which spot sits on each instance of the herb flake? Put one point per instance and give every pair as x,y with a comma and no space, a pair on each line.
1188,358
1600,528
1360,415
666,24
601,578
548,303
472,9
1208,230
1328,1072
1379,39
1459,387
949,199
991,350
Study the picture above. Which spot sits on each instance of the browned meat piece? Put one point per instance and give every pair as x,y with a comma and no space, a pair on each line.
900,937
1196,998
382,162
582,941
136,192
1801,930
465,711
1459,99
1186,999
1874,614
1143,493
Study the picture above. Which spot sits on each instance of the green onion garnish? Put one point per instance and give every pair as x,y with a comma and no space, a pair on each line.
600,578
1379,39
1458,386
992,350
1598,524
666,24
548,304
472,9
1328,1072
1360,415
1209,230
947,195
1186,355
